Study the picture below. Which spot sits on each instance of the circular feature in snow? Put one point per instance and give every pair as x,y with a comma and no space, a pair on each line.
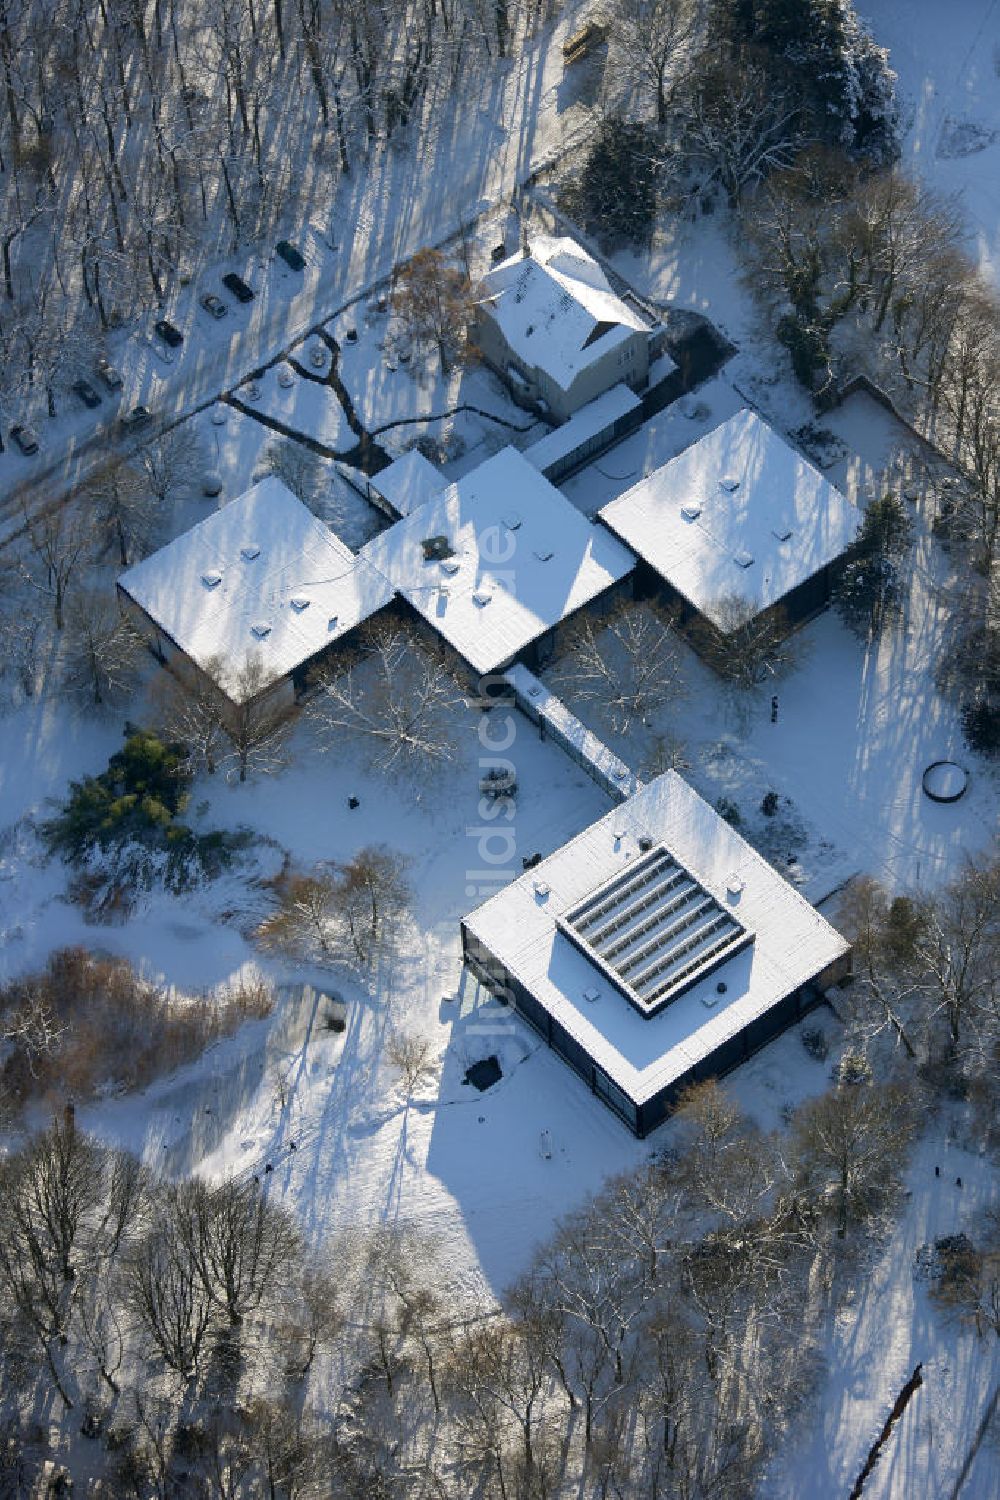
218,416
252,391
945,781
211,484
317,356
285,378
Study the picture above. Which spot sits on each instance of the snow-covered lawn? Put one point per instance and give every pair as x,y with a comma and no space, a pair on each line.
948,61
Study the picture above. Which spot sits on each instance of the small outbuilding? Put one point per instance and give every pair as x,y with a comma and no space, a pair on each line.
654,950
409,482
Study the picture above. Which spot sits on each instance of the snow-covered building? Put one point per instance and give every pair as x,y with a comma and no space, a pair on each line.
739,513
587,432
406,484
497,561
654,950
259,580
550,323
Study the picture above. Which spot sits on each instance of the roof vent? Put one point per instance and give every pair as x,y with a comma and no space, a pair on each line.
482,597
249,552
299,602
544,554
436,548
511,520
450,566
691,511
331,623
734,884
645,843
541,888
261,629
743,559
591,995
729,484
212,578
781,532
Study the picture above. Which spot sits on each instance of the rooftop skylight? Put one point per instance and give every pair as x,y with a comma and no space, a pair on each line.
654,931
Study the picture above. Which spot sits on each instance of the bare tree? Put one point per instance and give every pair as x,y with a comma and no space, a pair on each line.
60,539
302,470
239,1242
956,948
375,896
738,125
413,1058
306,924
340,911
170,462
395,696
172,1305
103,652
123,505
190,711
257,726
626,668
850,1145
53,1194
744,645
651,39
19,646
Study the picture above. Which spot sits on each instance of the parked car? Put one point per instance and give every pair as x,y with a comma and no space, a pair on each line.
213,305
170,335
25,439
86,392
238,287
293,258
134,419
107,373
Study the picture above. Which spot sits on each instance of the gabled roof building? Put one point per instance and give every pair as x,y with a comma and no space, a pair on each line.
554,328
654,950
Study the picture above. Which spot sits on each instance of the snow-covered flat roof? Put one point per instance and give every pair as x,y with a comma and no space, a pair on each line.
556,308
739,512
259,577
642,1054
584,424
521,558
408,482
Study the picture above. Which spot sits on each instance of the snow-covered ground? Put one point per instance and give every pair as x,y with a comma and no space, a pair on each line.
947,58
471,154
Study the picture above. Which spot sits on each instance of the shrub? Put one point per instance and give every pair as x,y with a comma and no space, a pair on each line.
86,1024
133,810
728,810
769,805
815,1042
